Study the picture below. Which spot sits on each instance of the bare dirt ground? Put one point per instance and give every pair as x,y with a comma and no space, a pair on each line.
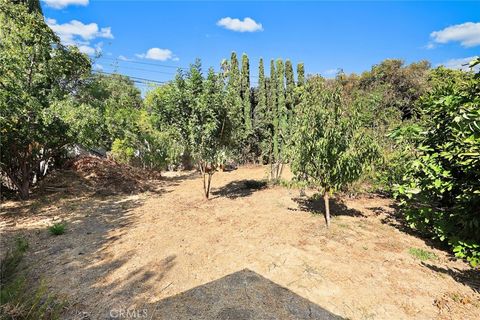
170,254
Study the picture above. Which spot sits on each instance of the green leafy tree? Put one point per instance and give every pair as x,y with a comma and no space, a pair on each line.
234,102
262,114
209,138
36,72
441,192
290,85
329,147
300,74
32,5
280,123
245,94
402,85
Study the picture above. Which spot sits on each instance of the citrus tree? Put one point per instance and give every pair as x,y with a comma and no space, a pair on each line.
329,147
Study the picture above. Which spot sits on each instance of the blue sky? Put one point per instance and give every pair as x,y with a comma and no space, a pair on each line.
324,35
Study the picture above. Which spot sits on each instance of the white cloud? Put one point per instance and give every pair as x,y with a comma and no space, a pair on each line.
76,33
123,58
76,29
247,25
86,49
459,64
60,4
158,54
468,34
98,67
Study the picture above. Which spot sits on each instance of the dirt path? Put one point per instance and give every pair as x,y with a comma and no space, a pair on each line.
135,251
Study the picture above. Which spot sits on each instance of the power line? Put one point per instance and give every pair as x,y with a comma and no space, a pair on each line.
144,63
141,69
118,60
134,79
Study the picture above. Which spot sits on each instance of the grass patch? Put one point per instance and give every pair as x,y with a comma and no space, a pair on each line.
57,228
422,255
20,300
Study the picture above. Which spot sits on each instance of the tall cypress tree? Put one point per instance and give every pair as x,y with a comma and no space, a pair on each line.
272,108
281,107
300,74
290,88
279,123
245,93
261,119
234,99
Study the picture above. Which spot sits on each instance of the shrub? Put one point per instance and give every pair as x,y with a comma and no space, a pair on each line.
441,192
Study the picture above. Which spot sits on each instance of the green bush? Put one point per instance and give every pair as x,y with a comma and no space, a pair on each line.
441,192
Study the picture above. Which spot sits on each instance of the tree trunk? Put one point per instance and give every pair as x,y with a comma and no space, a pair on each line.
207,192
327,208
23,190
204,186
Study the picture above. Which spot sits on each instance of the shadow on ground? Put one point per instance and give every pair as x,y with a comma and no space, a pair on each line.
469,277
393,217
317,206
241,295
77,261
239,188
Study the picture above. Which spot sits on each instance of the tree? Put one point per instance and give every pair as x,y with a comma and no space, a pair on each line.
36,72
245,94
32,5
262,115
329,148
234,102
272,107
280,124
300,74
402,85
208,123
441,191
290,85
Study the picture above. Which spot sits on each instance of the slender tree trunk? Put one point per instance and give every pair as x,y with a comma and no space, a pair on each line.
207,192
327,208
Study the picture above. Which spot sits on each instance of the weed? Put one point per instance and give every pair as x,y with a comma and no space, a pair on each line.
57,228
18,299
422,255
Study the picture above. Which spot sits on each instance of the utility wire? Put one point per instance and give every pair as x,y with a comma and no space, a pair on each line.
151,64
135,79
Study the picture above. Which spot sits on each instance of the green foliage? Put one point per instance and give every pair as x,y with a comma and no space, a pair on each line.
245,94
208,126
441,192
422,255
402,85
36,73
57,228
329,148
300,74
329,144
